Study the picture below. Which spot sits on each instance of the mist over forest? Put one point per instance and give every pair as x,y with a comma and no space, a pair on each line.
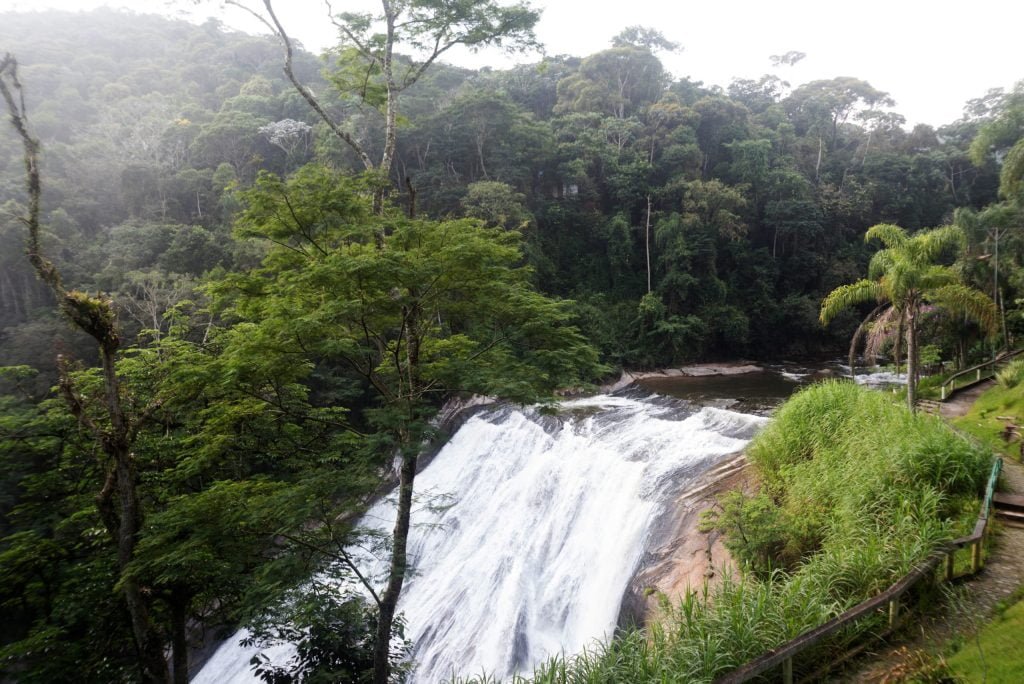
759,195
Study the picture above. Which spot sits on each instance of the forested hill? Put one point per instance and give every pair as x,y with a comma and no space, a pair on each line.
748,204
268,329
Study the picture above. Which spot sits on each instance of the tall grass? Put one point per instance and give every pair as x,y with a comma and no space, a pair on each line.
866,491
1011,375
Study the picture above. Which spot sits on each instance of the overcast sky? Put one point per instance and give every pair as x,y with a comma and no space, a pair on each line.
931,56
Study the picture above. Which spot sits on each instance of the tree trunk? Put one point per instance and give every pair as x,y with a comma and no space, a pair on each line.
117,444
912,357
647,236
898,345
391,107
179,638
396,573
95,317
817,164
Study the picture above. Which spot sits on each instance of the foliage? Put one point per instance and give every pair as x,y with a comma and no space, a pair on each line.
683,222
169,135
905,277
414,310
754,526
1012,375
332,633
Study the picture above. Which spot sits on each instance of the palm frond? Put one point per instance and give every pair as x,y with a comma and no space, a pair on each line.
848,295
885,328
882,261
930,244
891,235
862,329
934,277
966,301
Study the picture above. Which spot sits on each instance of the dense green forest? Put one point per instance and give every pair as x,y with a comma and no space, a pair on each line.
278,344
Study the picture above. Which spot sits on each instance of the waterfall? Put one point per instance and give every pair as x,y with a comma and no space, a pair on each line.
545,522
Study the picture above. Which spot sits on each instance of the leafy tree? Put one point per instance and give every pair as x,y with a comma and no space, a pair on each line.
497,204
370,68
1004,133
616,82
113,429
821,107
416,309
333,637
644,37
905,277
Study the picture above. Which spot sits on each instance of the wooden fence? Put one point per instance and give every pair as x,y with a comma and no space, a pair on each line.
888,600
974,374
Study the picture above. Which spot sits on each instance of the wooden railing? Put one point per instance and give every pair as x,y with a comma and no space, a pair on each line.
889,599
986,370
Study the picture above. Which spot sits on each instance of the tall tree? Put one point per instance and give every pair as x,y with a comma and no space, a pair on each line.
370,68
905,276
115,430
1004,134
416,309
820,107
617,82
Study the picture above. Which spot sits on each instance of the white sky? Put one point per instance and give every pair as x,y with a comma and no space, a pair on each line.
931,56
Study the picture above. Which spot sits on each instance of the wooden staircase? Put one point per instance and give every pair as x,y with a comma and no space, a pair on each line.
1009,508
929,406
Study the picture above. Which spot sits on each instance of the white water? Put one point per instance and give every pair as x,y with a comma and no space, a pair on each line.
549,523
879,379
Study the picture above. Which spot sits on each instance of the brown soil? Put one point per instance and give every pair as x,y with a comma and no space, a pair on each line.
960,403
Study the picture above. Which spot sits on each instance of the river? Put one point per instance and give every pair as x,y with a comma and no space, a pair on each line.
545,519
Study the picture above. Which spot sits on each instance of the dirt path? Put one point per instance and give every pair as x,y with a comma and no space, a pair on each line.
959,404
977,598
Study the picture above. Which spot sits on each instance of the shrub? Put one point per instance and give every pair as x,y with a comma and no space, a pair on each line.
1011,376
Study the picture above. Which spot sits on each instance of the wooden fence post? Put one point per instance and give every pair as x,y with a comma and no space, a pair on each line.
787,671
950,561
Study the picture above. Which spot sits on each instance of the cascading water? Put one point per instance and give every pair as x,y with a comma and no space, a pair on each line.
547,523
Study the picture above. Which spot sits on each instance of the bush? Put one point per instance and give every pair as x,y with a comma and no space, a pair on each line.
1011,376
754,529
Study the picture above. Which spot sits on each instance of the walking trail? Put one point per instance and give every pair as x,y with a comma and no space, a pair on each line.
1002,574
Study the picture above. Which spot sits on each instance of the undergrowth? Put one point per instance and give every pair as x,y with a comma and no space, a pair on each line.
856,491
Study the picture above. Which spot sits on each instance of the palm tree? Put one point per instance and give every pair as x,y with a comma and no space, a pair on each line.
902,278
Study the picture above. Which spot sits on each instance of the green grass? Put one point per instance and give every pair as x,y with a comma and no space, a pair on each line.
985,419
862,491
995,655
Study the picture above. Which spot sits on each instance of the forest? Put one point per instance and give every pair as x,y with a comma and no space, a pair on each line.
290,273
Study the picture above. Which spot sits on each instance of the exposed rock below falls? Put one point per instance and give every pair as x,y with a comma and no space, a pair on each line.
681,556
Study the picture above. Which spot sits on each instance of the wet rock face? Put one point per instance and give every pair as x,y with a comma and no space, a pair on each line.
680,557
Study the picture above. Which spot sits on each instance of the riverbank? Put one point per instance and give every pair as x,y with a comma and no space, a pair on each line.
627,378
